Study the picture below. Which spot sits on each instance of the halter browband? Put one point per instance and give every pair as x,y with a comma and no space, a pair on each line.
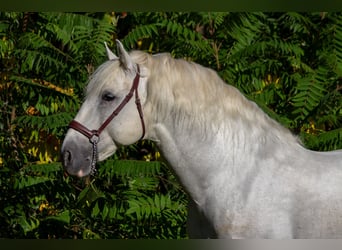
94,135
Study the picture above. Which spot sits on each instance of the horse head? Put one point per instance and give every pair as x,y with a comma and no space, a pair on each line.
111,114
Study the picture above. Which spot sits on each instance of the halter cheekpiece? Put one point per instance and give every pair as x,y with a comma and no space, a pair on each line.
94,135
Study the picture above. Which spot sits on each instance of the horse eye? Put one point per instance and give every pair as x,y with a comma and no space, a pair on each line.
108,97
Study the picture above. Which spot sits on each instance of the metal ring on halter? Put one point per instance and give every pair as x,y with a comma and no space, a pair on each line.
95,138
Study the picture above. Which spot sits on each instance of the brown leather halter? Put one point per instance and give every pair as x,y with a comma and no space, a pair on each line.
94,135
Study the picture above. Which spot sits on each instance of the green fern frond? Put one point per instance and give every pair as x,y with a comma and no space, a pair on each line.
309,93
64,36
129,168
49,122
244,29
325,141
33,175
138,33
43,169
37,61
103,32
337,44
296,22
218,18
179,30
108,211
147,206
68,21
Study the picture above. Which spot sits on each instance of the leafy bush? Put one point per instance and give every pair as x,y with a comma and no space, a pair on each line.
289,63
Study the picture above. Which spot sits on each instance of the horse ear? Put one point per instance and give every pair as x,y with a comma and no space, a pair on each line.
110,54
124,57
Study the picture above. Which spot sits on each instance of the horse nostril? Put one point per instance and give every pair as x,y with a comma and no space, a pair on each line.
67,157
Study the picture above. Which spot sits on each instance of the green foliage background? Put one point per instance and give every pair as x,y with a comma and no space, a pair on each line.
289,63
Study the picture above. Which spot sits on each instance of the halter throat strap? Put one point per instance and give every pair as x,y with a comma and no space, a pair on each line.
93,135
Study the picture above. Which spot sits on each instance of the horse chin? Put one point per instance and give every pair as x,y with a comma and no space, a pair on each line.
82,173
86,170
79,172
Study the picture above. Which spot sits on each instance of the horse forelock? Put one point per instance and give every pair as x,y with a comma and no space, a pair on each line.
110,72
103,76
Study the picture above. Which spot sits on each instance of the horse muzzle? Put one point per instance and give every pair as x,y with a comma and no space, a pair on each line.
76,158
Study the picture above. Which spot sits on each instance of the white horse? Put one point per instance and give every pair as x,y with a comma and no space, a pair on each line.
247,176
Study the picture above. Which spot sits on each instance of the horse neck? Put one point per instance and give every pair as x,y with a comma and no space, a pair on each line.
209,131
203,156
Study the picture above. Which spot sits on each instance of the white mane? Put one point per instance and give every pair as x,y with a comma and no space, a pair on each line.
197,96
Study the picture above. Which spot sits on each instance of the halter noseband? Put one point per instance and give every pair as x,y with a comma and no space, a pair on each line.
94,135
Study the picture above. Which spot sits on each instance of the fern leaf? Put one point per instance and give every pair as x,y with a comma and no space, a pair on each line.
131,168
310,92
296,22
29,181
140,32
337,43
145,206
325,141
